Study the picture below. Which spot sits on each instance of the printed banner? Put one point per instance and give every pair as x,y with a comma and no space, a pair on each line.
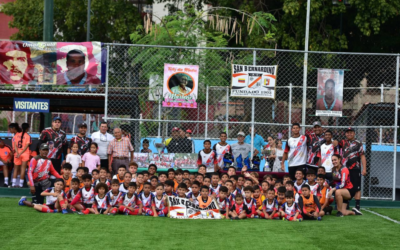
253,81
50,63
182,208
31,105
180,85
163,161
330,92
185,161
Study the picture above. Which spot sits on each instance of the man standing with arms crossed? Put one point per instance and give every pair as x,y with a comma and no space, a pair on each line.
102,138
353,159
295,152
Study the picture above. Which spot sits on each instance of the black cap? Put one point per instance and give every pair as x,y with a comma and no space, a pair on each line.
57,118
83,124
350,129
44,146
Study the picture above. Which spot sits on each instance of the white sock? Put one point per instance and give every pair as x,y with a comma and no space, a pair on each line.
21,183
6,180
18,178
14,180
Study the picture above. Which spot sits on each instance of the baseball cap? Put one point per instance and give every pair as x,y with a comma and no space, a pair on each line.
317,123
241,133
175,129
82,125
44,146
57,118
349,129
189,131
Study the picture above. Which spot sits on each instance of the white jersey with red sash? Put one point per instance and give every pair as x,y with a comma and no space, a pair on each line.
71,194
114,199
146,201
191,195
131,202
297,150
159,204
215,189
223,204
87,196
100,203
221,151
298,187
207,159
51,200
325,154
252,203
270,207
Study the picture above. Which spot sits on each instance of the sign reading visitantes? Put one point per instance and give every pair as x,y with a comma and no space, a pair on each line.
32,105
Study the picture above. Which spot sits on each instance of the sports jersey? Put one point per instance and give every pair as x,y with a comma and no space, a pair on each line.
67,184
20,142
298,187
106,182
237,191
313,147
190,195
84,196
114,200
313,188
159,204
239,153
223,205
240,208
297,151
119,180
122,188
146,201
251,205
51,200
83,144
71,194
325,154
270,207
221,151
59,138
309,205
290,211
231,199
202,203
351,152
131,202
345,181
215,190
207,159
5,154
322,194
39,169
101,203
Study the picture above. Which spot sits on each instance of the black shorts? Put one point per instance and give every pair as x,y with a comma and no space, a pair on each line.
352,192
87,205
355,178
101,210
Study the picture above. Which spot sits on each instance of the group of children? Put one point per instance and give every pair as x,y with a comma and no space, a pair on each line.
238,196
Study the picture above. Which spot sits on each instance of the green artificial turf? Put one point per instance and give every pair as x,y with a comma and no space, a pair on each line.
389,212
25,228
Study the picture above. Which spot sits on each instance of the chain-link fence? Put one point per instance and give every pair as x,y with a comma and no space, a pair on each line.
134,93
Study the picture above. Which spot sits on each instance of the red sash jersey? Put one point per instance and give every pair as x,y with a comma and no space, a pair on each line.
313,148
114,200
51,200
345,181
351,152
159,204
59,138
209,160
83,144
251,205
239,208
270,207
215,190
101,203
223,205
39,169
147,202
71,194
290,211
132,202
84,196
106,182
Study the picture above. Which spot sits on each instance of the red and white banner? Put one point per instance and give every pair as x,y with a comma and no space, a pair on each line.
182,208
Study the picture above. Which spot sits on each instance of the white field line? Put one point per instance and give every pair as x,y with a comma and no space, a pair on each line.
380,215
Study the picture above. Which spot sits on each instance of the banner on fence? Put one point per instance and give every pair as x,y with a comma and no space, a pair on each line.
50,63
253,81
31,105
330,92
180,85
182,208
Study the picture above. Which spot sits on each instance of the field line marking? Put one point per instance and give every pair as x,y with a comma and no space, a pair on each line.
380,215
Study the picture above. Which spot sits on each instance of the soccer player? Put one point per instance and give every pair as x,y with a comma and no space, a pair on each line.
221,148
80,171
299,181
152,169
295,151
121,174
270,206
314,141
238,209
200,178
40,168
95,175
21,142
290,210
322,194
6,156
81,139
249,202
73,191
103,178
309,204
160,202
100,204
204,199
325,153
147,199
139,183
208,158
130,203
114,197
162,177
224,178
311,181
133,167
154,183
182,189
84,199
344,190
207,181
223,202
169,188
231,171
281,191
215,186
354,160
123,187
171,176
67,176
195,193
202,169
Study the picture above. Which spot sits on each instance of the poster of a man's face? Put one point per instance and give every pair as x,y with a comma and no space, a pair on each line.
330,92
16,66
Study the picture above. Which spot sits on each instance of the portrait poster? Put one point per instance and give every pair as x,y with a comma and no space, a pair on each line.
330,92
180,85
25,63
253,81
182,208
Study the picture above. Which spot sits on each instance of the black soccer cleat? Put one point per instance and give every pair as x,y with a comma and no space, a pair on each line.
339,214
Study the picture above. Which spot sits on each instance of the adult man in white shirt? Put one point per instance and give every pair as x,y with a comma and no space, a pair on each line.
327,150
295,151
102,138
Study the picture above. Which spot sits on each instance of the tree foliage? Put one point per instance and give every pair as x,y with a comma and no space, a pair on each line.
111,21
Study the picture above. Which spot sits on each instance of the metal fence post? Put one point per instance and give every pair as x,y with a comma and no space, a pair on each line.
290,110
227,112
253,104
396,110
206,125
304,107
380,129
106,91
159,117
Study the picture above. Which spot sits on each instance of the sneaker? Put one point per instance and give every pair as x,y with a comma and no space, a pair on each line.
356,211
256,217
161,215
55,211
147,213
339,214
64,211
21,201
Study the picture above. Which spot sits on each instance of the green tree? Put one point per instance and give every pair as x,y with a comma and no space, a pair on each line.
111,21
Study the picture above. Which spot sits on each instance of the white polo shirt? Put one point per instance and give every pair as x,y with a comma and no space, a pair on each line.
102,141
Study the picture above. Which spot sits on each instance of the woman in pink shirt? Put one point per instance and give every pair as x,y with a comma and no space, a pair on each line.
91,160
